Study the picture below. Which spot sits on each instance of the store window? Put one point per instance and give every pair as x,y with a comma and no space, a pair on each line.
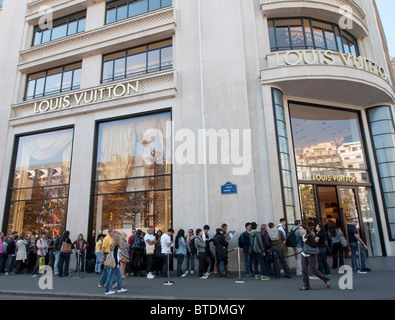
132,62
61,28
119,10
53,81
308,33
38,195
133,180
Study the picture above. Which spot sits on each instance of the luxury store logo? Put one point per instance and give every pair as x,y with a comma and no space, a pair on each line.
329,57
87,97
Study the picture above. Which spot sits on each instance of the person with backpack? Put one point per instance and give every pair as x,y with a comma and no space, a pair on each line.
277,241
221,252
191,252
244,243
257,253
294,242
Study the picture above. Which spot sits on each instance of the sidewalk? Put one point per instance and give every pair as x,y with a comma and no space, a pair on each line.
377,284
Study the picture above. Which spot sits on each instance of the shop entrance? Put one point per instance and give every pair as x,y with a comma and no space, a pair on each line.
338,204
321,203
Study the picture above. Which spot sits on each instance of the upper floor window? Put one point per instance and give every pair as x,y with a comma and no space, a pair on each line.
308,33
122,9
53,81
139,60
62,27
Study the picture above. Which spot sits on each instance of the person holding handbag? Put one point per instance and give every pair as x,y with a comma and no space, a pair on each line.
116,246
42,250
64,256
309,258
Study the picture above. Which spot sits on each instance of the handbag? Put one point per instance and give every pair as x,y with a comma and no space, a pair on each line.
110,260
149,249
66,247
42,263
307,249
343,241
123,257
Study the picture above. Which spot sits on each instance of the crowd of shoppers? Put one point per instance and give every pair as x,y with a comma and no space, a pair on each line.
266,252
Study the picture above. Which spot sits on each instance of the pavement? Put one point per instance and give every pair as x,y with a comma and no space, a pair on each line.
378,284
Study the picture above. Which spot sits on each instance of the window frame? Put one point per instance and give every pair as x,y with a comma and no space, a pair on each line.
45,77
125,56
81,15
312,25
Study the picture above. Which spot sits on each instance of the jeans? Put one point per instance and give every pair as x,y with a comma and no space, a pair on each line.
10,264
105,273
279,255
323,265
56,265
259,258
337,251
98,263
248,262
180,260
190,262
203,265
165,260
298,257
79,261
118,276
150,262
64,262
354,249
2,262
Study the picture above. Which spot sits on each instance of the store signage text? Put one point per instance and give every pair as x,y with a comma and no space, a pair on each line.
330,178
329,57
87,97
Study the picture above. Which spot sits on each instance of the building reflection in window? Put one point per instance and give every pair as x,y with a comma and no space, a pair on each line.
133,174
39,192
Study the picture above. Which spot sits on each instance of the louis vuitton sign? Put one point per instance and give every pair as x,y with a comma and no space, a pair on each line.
329,57
87,97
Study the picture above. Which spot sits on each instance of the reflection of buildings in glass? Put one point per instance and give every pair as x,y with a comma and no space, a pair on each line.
329,158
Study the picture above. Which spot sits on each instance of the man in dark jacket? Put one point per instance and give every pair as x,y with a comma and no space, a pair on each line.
244,243
11,252
221,252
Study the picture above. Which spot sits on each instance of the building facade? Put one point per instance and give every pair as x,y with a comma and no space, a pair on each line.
128,114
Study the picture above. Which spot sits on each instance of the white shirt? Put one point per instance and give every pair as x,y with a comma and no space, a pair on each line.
149,237
164,241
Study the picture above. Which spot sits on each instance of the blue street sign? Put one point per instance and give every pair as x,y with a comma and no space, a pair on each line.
228,188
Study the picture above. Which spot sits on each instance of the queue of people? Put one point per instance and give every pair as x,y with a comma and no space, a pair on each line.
265,252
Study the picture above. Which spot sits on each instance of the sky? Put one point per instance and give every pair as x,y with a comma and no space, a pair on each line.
386,10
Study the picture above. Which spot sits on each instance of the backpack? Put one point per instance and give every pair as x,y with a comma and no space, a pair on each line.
292,238
193,247
254,246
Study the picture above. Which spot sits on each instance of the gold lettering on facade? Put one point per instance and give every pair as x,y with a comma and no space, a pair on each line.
310,57
87,97
330,178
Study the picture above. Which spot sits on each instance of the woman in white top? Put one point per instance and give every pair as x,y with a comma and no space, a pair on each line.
21,254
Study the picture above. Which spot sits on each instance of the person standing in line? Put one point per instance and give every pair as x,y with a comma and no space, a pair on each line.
64,256
244,243
158,253
106,248
80,246
321,240
56,251
32,255
276,242
181,251
335,236
356,244
309,259
98,247
201,254
124,254
268,254
191,252
221,252
257,253
11,254
166,244
298,249
138,247
42,250
116,246
21,255
207,239
150,243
